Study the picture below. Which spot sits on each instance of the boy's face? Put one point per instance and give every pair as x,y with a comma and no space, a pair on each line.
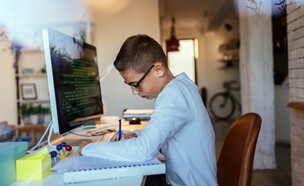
147,87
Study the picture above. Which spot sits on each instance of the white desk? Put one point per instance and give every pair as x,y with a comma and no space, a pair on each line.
73,139
56,179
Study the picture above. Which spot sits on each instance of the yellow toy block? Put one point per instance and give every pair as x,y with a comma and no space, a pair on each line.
34,166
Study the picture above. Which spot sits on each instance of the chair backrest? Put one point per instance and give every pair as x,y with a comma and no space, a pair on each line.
235,161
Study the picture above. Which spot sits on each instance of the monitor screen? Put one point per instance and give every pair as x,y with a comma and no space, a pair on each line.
73,81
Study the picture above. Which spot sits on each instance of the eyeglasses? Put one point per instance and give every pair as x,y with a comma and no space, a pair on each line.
136,85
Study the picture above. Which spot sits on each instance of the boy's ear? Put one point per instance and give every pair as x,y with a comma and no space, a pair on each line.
159,69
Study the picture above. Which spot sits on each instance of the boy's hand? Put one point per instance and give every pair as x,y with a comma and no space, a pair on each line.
83,144
125,135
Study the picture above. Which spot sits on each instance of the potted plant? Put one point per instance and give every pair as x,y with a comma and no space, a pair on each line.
33,114
38,114
42,112
25,113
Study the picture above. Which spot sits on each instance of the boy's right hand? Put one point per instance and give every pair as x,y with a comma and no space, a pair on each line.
125,135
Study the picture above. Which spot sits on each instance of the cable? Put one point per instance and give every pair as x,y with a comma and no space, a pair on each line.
106,71
83,135
49,137
50,128
85,13
42,137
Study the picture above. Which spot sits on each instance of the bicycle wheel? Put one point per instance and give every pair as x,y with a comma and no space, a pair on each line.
222,106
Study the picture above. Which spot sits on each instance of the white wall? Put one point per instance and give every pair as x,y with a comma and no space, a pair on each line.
110,31
257,78
8,104
23,21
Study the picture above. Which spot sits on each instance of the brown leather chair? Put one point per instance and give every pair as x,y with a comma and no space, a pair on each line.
234,164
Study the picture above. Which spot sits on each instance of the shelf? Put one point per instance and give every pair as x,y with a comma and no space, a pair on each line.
230,51
230,55
232,60
32,101
32,50
296,105
31,130
31,75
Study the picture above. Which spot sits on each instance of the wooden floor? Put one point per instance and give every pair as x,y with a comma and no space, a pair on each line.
274,177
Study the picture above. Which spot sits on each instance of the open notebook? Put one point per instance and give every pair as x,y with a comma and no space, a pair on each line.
83,169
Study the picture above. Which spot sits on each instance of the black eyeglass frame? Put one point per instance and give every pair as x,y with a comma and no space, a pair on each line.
136,85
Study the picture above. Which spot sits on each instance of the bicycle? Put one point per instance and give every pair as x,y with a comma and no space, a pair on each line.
223,105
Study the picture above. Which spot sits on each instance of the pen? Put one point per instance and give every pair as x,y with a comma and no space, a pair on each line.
119,130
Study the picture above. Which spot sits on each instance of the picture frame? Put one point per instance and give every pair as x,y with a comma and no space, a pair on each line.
28,91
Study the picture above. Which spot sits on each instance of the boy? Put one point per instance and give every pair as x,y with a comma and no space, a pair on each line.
179,126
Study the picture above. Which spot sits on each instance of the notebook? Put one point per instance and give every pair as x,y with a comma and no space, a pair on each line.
83,169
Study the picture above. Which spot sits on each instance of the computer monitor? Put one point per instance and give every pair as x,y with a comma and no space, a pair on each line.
73,81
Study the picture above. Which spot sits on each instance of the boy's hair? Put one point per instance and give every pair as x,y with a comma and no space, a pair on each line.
138,53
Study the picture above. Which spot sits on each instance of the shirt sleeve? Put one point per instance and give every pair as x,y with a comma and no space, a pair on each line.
170,114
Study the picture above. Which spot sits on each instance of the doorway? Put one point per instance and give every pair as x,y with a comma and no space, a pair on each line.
184,60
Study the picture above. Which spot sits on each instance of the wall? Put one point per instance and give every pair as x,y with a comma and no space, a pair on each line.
295,30
8,104
110,31
257,78
282,114
23,21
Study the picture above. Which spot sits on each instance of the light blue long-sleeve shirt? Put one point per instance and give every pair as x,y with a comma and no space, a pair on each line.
181,128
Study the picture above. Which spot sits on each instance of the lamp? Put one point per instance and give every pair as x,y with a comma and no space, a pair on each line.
172,43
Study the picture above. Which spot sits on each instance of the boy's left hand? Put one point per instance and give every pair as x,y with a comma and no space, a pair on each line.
81,146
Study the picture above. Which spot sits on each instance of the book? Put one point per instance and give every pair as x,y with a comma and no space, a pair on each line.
143,114
84,168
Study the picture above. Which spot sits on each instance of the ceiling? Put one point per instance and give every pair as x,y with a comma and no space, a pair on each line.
206,15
